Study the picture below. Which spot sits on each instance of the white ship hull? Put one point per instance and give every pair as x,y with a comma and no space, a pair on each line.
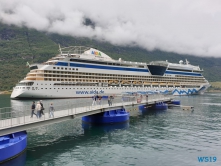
88,91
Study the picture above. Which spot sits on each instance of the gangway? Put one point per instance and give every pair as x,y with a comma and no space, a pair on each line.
15,120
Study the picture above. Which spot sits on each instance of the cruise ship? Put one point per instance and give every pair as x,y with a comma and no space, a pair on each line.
79,71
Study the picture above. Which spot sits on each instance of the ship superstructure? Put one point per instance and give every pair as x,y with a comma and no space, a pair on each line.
80,71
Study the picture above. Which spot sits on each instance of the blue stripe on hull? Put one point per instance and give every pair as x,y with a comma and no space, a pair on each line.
102,67
182,73
122,68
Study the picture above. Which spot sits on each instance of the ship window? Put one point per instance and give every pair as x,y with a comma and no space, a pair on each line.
77,69
54,67
65,68
58,67
62,68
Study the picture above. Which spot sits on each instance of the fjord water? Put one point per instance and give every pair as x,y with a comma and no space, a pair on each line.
156,138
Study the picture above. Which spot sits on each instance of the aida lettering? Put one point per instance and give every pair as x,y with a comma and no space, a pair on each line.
96,53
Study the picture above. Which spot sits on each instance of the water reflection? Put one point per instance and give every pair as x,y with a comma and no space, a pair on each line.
67,146
88,128
150,111
4,101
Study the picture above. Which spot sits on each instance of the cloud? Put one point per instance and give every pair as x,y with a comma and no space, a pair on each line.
185,26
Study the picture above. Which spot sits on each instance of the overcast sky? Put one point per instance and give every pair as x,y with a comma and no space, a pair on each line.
181,26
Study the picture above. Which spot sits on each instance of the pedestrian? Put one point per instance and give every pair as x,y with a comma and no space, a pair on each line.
51,111
33,109
147,97
42,108
94,98
109,100
99,100
38,109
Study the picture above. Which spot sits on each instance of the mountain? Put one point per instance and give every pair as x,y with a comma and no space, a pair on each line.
19,45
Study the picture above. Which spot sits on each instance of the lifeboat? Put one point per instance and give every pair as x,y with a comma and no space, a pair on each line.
146,83
137,82
163,84
125,82
113,82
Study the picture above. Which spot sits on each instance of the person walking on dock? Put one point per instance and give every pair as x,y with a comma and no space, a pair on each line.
51,111
42,108
94,98
99,100
33,109
109,100
147,97
38,109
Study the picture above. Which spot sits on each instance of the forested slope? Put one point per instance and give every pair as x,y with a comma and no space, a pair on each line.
19,45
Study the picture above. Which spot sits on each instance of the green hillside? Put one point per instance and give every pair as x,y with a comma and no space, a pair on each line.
19,45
